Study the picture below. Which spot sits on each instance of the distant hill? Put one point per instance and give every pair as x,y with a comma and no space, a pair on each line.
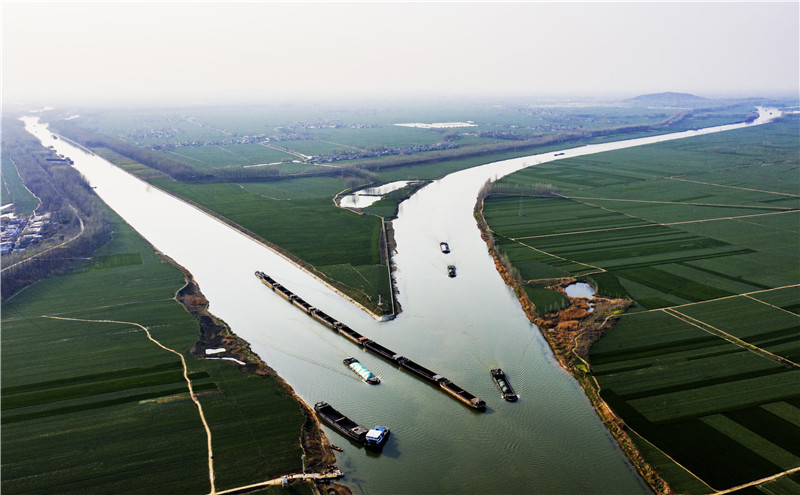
677,100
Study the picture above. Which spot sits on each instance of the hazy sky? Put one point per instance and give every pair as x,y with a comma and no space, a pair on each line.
134,51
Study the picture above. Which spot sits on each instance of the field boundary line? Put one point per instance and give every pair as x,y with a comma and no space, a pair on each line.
758,482
107,306
770,305
726,336
626,425
734,187
655,224
599,269
743,294
185,376
687,203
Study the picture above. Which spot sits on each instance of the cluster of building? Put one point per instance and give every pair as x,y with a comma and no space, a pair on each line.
20,233
353,155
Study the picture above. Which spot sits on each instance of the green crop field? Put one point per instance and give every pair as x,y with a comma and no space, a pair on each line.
93,407
703,235
14,191
337,242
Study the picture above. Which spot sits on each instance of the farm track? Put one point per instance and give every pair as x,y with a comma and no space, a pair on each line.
757,482
735,187
196,401
650,225
650,201
743,294
725,335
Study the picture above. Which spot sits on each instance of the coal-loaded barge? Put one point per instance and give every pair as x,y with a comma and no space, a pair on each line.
500,379
374,438
415,369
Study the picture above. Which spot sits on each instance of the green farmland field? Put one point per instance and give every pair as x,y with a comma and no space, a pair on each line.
337,242
14,191
91,407
704,235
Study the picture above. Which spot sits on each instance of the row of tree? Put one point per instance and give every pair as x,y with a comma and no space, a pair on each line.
63,193
91,139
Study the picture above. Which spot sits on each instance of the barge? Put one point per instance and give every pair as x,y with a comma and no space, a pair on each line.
380,350
361,371
374,438
462,395
444,247
500,379
419,370
340,422
323,318
372,346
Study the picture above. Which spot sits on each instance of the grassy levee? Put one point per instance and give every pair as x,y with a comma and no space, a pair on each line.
98,408
702,234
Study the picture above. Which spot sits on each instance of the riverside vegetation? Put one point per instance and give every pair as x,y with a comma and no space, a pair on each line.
698,378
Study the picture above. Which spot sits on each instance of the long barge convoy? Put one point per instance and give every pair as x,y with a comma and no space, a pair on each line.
403,362
374,438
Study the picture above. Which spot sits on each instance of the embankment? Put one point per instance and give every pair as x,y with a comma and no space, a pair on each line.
215,334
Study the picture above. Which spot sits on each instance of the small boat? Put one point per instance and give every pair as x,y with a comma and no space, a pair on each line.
361,371
337,448
502,383
451,271
444,247
376,437
559,154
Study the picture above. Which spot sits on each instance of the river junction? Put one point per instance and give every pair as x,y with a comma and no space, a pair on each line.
549,441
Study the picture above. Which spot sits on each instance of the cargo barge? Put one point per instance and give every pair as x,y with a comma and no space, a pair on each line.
500,379
462,395
419,370
374,438
372,346
361,371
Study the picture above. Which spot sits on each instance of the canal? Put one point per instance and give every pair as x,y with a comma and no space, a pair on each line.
549,441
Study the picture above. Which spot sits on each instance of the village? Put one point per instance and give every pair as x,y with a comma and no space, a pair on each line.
19,233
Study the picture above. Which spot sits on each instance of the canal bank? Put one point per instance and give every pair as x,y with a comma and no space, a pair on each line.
466,326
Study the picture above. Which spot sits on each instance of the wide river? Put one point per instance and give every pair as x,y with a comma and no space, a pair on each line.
549,441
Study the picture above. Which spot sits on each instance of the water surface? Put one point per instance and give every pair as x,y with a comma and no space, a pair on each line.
549,441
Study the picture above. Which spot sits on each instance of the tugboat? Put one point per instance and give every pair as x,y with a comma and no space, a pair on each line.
444,247
502,383
376,437
361,371
451,271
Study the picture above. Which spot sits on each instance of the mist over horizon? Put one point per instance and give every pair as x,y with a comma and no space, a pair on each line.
117,54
